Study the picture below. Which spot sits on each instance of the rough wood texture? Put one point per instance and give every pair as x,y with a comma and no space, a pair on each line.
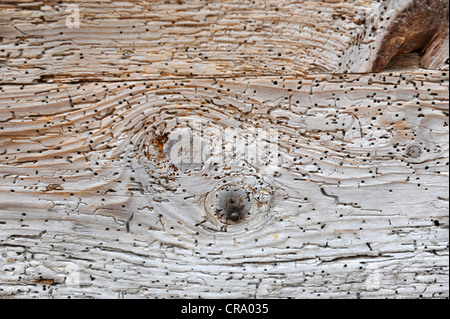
154,39
169,39
400,27
95,201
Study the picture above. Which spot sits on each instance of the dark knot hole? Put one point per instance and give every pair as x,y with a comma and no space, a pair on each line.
234,209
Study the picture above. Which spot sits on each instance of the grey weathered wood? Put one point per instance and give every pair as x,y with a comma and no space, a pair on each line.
93,202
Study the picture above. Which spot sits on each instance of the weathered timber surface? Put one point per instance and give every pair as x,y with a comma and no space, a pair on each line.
349,192
154,39
125,40
94,201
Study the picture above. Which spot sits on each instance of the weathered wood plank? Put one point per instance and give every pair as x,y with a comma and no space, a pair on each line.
94,201
126,40
219,149
136,40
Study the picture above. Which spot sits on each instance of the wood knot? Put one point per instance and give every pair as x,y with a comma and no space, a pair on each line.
231,203
413,151
244,204
235,205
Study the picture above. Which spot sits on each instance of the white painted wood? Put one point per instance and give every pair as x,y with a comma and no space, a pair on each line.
125,40
97,200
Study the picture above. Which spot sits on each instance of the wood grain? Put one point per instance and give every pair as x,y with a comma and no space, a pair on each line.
341,178
349,193
126,40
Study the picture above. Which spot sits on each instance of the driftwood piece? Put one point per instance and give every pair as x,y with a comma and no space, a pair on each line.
170,149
